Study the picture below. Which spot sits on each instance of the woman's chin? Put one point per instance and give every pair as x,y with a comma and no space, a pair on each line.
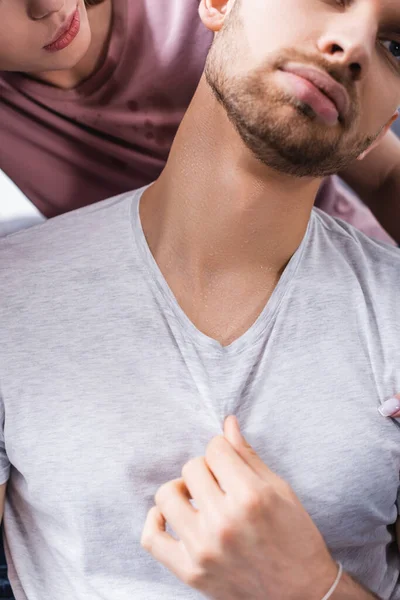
69,57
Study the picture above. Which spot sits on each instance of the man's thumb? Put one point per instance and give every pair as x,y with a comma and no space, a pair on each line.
232,433
240,444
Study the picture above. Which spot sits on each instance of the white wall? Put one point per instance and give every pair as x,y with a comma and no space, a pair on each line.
16,211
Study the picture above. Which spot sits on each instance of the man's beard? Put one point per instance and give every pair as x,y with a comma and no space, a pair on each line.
281,132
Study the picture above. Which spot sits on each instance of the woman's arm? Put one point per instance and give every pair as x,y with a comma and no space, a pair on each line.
376,180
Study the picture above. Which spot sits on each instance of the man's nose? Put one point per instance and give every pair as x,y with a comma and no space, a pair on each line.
350,43
40,9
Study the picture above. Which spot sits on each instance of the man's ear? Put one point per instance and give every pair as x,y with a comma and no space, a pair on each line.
213,13
380,136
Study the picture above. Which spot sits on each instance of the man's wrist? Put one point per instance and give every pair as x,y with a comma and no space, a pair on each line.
349,589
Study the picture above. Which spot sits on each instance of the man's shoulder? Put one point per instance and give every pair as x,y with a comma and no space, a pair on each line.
342,232
367,258
64,242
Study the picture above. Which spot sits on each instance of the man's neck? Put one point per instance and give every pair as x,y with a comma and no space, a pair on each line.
217,208
221,226
100,19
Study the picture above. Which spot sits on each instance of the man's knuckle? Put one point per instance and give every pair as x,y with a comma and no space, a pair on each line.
226,532
195,577
215,446
191,465
204,558
146,543
163,493
253,501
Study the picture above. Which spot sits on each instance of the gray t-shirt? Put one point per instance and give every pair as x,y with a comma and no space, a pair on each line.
107,389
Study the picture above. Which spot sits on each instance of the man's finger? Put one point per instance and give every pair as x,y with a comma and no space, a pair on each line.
246,452
202,486
233,474
162,546
173,501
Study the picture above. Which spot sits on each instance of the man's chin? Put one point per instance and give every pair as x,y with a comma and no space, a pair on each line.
298,157
298,150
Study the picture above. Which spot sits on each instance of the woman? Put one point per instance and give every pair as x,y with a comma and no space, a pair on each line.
98,116
92,93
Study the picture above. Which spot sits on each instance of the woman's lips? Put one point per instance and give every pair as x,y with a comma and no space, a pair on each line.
66,35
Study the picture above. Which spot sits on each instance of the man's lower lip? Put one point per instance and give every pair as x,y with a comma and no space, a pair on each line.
307,93
67,38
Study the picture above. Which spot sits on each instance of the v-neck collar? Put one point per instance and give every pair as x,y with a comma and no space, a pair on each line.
161,287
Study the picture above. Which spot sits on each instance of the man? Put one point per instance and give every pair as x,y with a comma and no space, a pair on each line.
217,291
95,114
